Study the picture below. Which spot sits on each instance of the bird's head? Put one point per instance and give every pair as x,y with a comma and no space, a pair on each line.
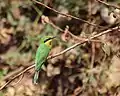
47,40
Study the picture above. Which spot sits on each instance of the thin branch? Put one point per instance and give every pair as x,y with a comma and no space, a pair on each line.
11,74
64,51
107,4
60,29
93,54
87,40
67,15
20,78
22,72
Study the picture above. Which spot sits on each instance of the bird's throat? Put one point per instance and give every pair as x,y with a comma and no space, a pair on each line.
48,43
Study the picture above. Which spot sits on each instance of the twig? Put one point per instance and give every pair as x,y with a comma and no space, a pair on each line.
77,91
60,29
87,40
20,78
11,74
93,55
67,15
75,37
107,4
64,51
22,72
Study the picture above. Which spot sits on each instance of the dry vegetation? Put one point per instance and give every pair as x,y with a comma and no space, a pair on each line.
91,69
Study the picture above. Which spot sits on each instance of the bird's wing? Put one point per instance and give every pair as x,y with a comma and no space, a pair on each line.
41,56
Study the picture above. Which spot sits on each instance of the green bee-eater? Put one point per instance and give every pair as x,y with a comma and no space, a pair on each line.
41,55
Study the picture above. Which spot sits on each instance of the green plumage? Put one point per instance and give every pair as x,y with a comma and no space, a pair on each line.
41,56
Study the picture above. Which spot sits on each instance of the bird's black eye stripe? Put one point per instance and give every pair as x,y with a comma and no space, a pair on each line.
47,40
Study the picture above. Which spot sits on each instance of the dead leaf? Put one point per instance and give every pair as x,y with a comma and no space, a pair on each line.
106,49
5,35
44,19
114,73
56,50
10,91
52,71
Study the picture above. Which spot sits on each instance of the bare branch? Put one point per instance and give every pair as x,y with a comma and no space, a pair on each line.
67,15
70,33
107,4
22,72
64,51
11,74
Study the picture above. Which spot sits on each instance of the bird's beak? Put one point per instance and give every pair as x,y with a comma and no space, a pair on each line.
53,37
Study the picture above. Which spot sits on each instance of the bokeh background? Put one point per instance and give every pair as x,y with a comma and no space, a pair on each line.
91,69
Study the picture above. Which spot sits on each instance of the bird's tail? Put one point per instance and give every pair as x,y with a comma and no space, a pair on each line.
36,77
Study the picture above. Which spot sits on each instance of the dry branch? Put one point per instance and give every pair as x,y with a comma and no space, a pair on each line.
64,51
70,33
107,4
67,15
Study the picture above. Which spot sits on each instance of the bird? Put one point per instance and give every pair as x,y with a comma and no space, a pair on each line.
41,55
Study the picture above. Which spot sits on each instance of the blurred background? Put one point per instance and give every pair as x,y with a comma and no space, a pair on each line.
91,69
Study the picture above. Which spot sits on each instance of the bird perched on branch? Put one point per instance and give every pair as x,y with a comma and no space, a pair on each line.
41,55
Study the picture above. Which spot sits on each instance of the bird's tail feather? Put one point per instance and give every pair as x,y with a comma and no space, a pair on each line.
36,77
